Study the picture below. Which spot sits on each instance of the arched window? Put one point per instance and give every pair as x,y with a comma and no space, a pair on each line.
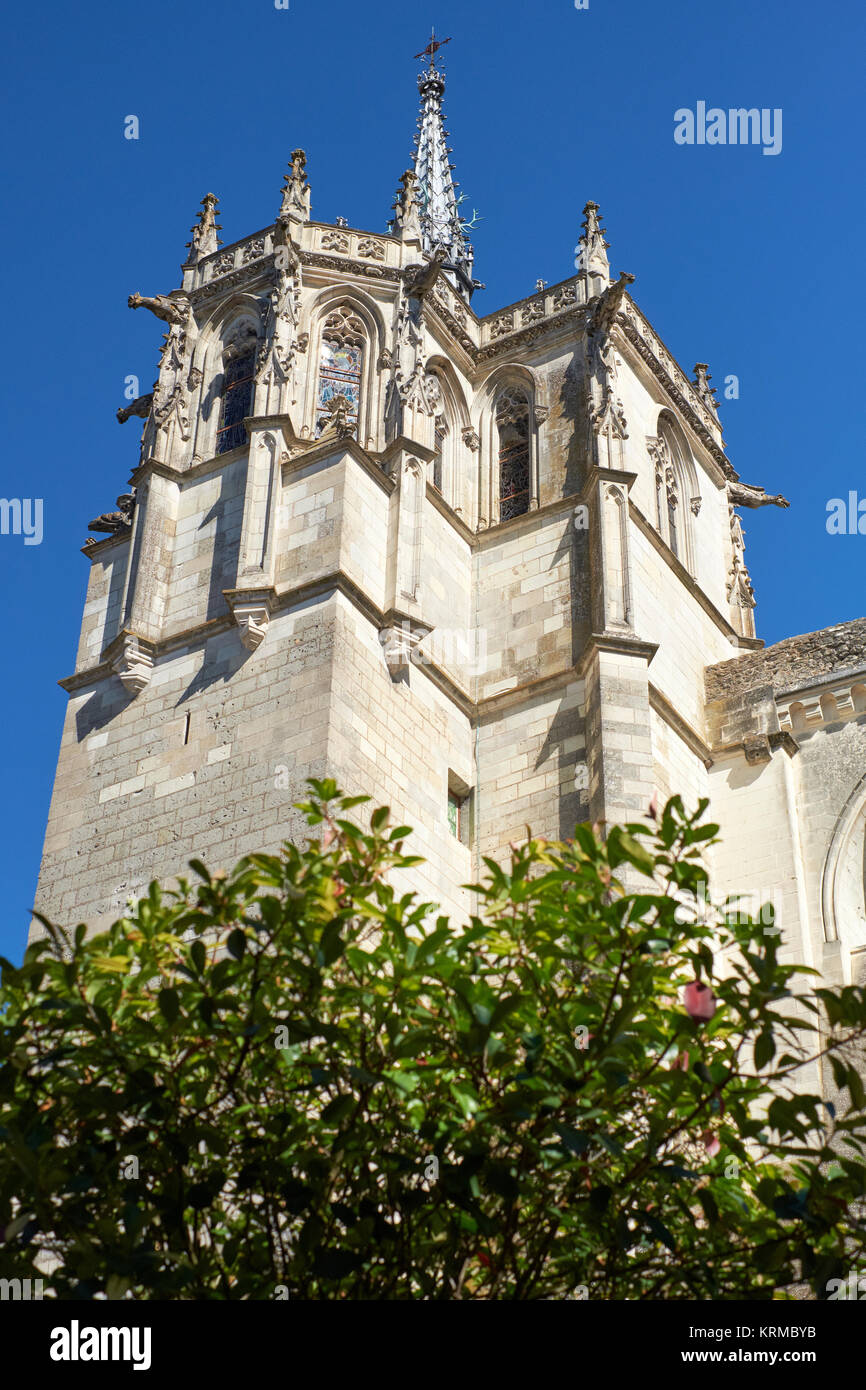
340,364
441,442
512,422
670,480
239,369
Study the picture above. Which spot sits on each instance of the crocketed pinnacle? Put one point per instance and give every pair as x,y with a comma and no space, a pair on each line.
442,227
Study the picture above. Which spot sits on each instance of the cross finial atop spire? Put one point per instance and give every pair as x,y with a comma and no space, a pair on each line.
441,226
432,48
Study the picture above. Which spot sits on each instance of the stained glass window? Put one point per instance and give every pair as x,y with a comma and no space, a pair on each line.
237,401
340,365
454,809
512,419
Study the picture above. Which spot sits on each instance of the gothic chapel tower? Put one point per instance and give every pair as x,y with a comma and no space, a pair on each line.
488,570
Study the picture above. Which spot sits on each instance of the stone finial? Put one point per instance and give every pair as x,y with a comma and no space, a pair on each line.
407,223
296,189
594,264
702,385
204,233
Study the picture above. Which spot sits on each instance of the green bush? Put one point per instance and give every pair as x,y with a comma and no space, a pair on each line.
298,1081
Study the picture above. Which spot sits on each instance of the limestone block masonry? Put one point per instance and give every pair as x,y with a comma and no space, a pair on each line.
490,571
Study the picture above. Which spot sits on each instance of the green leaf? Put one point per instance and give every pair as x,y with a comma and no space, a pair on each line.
337,1263
338,1110
237,943
660,1231
169,1004
710,1207
855,1086
765,1048
622,846
332,944
573,1139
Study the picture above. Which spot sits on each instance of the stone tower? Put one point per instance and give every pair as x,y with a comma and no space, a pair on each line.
488,570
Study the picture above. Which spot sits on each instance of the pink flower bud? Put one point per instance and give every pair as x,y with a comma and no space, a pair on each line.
699,1001
711,1143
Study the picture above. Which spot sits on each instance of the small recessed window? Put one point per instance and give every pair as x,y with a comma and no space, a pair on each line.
459,808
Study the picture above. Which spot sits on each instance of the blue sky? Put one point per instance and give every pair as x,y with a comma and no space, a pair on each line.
746,261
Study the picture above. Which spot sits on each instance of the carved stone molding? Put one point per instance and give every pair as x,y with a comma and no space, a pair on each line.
511,340
400,639
695,504
565,298
133,663
541,413
246,276
680,390
501,325
334,241
251,610
471,438
380,272
373,249
829,707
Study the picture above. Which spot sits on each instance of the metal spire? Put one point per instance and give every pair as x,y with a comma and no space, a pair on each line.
442,227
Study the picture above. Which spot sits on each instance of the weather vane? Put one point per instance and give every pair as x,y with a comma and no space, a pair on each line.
432,49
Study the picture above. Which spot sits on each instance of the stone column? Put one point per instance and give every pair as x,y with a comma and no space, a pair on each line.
253,597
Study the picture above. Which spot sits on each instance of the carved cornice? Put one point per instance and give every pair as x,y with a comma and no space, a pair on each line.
95,549
848,692
509,341
351,267
616,644
675,383
257,270
456,329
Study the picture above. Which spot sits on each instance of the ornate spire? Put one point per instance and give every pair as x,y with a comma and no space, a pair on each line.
592,248
204,233
442,227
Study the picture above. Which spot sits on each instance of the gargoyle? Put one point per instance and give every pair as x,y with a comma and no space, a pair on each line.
609,303
173,308
419,279
121,520
140,406
741,495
